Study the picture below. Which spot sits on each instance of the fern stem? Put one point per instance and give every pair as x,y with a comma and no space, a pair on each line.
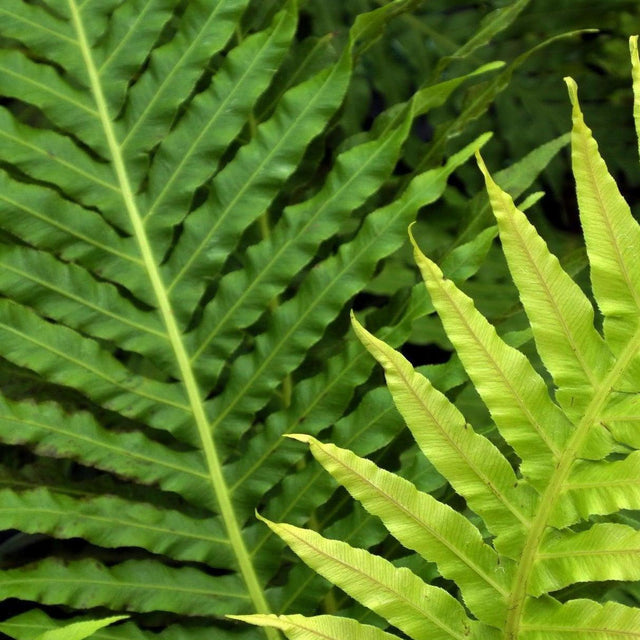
552,492
214,465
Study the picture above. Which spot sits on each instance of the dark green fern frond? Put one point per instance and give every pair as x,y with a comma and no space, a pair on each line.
179,249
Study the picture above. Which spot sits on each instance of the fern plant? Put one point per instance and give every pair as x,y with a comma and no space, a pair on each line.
549,504
176,261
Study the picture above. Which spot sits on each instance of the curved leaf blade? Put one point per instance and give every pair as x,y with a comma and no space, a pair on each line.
419,610
298,627
561,316
437,532
513,391
474,466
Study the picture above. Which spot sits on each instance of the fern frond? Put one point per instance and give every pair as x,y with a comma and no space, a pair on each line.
547,518
561,316
610,233
168,263
474,466
243,294
514,393
321,296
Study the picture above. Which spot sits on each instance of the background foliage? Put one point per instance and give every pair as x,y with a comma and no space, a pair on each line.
324,383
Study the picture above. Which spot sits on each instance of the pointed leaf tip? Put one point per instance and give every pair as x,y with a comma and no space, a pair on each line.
412,240
355,323
357,327
423,262
483,168
274,526
254,618
260,620
79,630
635,76
573,94
416,249
483,139
635,60
368,340
300,437
259,517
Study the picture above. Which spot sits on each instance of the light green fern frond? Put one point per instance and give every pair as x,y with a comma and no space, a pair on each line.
550,500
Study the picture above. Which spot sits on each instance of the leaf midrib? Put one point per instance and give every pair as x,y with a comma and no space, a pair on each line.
122,583
103,445
193,393
475,469
168,77
38,26
489,357
329,384
72,232
230,206
605,218
58,160
27,79
302,584
66,293
96,371
130,30
110,521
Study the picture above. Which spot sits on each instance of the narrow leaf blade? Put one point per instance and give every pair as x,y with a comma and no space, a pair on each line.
473,465
514,393
561,316
298,627
421,611
611,234
425,525
79,630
